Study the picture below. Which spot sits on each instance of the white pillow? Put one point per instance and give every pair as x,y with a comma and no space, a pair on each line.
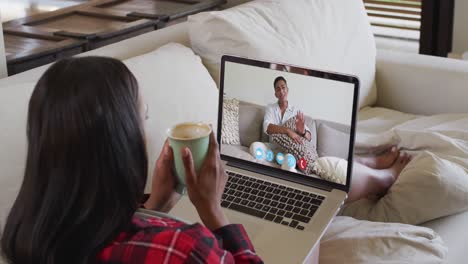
230,128
348,240
177,88
333,169
332,35
429,187
14,102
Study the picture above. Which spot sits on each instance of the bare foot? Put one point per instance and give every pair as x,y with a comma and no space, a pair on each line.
382,161
389,176
399,165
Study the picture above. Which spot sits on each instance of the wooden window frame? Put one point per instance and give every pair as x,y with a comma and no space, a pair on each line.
437,27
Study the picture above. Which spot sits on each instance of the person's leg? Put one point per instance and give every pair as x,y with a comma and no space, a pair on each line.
368,181
381,161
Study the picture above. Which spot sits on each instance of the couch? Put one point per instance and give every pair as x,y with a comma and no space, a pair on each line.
408,83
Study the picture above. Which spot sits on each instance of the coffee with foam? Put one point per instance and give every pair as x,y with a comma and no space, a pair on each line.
189,131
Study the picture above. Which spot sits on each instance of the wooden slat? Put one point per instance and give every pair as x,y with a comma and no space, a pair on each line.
45,15
201,6
394,26
390,9
160,9
27,31
395,12
22,47
403,2
416,3
394,17
104,13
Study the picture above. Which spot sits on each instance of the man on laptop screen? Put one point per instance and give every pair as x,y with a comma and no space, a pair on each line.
282,126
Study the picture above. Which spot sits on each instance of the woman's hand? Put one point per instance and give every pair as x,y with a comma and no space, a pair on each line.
206,188
163,196
292,134
300,123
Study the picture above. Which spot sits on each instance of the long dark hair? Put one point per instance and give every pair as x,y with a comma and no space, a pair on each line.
86,165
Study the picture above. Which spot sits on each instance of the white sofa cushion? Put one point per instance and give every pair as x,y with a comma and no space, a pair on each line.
177,88
324,34
230,128
412,83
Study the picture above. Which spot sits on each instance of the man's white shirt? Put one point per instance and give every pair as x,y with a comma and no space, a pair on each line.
273,116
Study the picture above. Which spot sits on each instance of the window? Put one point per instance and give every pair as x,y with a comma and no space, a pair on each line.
396,23
423,25
395,18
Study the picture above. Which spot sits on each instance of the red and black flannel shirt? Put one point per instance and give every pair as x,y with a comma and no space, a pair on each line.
163,240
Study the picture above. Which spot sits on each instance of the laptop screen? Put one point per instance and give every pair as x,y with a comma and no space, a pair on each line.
288,120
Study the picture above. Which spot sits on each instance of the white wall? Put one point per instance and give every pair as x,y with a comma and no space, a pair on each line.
460,28
317,98
3,67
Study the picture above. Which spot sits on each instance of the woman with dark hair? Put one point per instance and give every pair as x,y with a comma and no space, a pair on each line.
85,175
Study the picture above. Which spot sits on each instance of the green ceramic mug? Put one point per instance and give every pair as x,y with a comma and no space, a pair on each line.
196,137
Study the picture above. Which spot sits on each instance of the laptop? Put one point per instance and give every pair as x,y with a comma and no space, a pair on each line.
284,207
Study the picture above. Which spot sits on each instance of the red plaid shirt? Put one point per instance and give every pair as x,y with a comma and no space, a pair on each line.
163,240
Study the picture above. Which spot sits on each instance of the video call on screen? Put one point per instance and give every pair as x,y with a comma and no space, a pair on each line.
281,117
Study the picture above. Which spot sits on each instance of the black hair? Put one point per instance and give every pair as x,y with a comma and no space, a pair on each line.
277,79
86,163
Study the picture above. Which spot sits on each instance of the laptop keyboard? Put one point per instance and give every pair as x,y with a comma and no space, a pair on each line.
270,201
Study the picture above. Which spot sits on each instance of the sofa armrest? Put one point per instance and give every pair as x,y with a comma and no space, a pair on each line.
420,84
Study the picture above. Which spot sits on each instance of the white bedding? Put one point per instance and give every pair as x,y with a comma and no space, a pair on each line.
443,140
353,241
435,183
453,230
445,134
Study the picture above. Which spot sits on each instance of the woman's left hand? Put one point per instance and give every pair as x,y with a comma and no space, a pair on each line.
163,195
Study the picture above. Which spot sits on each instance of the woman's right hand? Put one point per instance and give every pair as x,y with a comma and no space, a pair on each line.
206,188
